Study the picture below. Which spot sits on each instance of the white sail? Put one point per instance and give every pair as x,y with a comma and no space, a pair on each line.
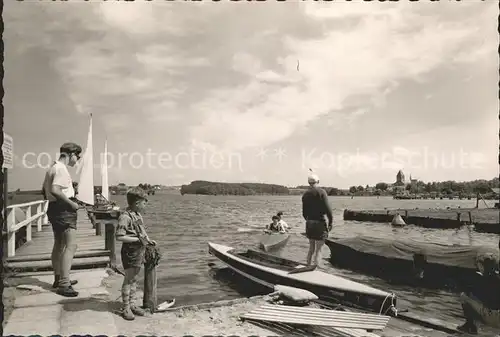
86,183
104,172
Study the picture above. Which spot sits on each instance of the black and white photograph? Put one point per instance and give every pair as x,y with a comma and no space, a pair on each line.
251,168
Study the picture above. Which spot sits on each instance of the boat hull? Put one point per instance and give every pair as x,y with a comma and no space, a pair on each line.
273,241
105,214
409,262
351,293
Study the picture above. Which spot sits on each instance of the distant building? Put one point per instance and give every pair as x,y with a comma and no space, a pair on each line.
400,179
400,185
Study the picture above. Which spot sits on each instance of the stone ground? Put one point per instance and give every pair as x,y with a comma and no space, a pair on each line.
33,308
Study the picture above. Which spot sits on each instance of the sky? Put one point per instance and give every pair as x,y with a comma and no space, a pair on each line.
255,92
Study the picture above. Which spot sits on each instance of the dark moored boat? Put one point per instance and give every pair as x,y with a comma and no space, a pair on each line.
270,270
412,262
273,241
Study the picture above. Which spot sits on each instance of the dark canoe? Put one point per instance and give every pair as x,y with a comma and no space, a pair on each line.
273,241
270,270
412,262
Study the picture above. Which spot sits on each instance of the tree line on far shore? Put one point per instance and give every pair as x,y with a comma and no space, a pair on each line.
218,188
445,188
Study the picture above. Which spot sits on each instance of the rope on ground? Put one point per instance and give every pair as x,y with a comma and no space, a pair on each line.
392,307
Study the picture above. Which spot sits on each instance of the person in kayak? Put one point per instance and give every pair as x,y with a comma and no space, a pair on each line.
315,206
281,222
275,227
482,304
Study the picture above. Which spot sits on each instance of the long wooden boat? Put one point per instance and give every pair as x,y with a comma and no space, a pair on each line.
270,270
412,262
273,241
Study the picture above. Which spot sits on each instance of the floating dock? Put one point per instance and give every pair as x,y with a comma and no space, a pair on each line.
484,220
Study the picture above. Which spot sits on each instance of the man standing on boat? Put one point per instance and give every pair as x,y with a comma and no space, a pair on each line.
315,206
58,190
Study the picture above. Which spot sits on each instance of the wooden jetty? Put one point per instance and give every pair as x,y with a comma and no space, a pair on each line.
33,254
484,220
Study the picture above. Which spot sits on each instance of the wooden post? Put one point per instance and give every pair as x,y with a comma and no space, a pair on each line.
98,228
11,234
110,243
470,217
150,300
477,200
406,213
45,220
28,226
5,199
39,209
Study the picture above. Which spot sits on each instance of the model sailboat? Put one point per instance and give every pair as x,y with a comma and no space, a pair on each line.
86,192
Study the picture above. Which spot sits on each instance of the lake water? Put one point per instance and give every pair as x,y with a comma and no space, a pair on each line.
182,226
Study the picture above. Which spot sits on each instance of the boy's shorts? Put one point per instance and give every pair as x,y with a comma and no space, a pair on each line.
132,255
61,216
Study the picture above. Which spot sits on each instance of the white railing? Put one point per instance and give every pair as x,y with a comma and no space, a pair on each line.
39,219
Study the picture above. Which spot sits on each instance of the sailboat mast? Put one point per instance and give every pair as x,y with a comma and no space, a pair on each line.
104,172
86,183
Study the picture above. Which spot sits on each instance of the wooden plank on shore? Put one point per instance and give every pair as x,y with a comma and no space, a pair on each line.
326,316
313,317
328,311
319,322
41,257
285,329
317,331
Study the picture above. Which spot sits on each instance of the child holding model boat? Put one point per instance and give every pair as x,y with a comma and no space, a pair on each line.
132,233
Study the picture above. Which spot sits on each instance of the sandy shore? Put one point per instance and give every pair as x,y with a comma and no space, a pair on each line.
195,321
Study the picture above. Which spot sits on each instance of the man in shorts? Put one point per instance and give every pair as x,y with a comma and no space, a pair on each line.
315,206
58,190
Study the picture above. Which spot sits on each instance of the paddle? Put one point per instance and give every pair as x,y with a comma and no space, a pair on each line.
303,269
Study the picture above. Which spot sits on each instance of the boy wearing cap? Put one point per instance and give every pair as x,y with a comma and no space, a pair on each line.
315,206
62,214
132,233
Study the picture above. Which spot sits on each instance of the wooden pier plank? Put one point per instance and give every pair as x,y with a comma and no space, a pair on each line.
35,255
46,256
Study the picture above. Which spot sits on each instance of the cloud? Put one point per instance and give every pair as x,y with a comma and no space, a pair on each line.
205,77
366,60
